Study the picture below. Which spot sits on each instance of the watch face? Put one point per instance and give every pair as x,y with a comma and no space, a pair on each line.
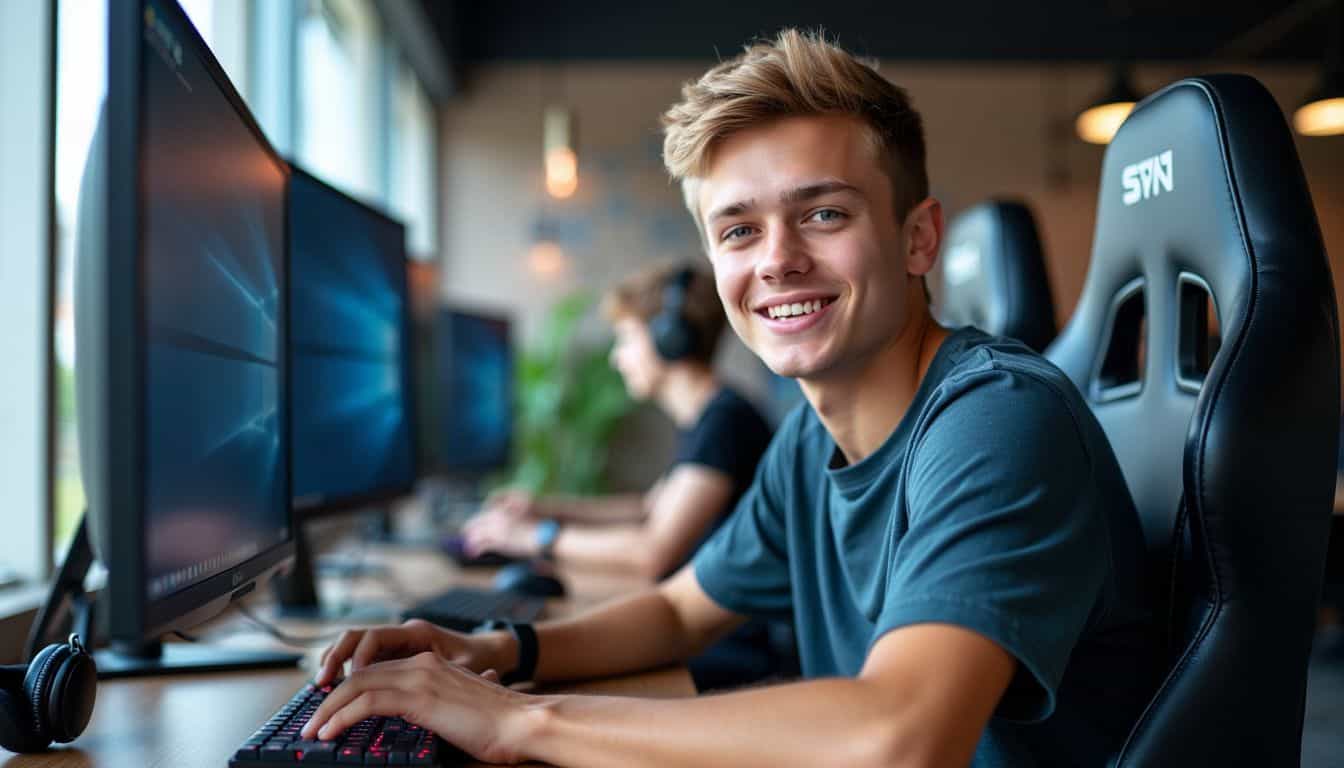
547,530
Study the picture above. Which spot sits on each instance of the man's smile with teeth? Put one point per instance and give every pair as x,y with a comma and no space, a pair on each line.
796,308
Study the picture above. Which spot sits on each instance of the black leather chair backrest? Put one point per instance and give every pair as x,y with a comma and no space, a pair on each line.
1231,468
991,274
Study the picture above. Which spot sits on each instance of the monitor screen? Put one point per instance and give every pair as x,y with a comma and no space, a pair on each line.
212,249
349,350
474,364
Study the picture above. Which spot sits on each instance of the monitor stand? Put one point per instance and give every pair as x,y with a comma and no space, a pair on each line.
296,593
158,658
68,598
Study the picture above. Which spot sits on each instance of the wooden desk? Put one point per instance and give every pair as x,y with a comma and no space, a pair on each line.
199,720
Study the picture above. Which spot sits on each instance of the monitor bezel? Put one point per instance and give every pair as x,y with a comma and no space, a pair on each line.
352,502
140,617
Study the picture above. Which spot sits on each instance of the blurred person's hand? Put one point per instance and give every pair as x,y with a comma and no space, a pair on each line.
501,533
511,503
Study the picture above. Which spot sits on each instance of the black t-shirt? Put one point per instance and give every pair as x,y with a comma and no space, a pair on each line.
730,436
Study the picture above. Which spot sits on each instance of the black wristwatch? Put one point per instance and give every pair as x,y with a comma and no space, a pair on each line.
527,649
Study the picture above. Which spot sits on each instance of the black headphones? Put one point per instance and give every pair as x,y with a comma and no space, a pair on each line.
673,337
48,699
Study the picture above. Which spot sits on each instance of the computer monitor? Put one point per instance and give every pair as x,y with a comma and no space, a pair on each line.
474,408
181,317
350,352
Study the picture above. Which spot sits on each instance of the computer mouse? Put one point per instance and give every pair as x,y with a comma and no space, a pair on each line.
455,547
524,579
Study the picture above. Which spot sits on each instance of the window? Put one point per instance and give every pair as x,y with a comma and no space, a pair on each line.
339,51
25,40
81,86
223,25
412,162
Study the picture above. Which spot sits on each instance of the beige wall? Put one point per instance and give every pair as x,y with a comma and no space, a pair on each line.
1003,130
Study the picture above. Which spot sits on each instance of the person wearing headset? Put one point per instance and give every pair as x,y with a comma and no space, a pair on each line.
667,321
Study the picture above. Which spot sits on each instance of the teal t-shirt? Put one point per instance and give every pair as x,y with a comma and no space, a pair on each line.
997,505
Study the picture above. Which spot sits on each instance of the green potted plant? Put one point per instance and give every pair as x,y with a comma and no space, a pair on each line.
568,403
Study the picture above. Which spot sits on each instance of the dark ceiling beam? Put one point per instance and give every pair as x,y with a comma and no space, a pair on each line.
952,30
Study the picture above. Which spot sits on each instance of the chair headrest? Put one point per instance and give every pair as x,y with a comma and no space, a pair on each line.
1201,190
991,274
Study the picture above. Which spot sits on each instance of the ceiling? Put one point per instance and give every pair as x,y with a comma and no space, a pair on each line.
475,31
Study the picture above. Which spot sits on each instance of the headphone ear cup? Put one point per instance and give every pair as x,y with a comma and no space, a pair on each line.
669,337
673,336
70,696
35,685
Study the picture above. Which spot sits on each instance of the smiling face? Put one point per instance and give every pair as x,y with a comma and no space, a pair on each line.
809,255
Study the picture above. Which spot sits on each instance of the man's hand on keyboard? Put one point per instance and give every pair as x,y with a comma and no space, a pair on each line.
469,710
363,647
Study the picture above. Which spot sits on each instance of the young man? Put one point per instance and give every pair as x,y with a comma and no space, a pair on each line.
668,321
945,520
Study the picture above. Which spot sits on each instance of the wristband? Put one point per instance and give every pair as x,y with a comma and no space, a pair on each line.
547,532
527,649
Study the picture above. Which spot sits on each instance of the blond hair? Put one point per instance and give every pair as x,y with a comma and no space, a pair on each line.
640,296
798,73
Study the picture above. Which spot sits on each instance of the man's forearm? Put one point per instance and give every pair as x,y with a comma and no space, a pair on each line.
594,509
626,548
639,632
841,722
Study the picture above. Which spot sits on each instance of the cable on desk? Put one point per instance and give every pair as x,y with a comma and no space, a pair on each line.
301,641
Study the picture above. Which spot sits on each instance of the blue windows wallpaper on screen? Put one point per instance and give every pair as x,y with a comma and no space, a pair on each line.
213,266
351,373
475,375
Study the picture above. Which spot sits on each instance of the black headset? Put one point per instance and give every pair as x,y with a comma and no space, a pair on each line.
673,336
48,699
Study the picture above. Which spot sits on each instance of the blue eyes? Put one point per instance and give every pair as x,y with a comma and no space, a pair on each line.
822,216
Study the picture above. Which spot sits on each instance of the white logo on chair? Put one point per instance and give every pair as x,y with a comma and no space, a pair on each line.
962,263
1147,178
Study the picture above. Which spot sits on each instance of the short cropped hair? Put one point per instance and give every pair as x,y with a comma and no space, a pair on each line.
798,73
640,296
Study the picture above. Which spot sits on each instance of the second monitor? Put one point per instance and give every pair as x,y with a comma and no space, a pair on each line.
474,382
350,350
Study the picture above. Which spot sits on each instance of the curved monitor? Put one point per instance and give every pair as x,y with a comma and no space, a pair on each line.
181,318
350,350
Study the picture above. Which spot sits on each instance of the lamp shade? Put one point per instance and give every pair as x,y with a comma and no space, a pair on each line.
1099,121
1323,112
561,159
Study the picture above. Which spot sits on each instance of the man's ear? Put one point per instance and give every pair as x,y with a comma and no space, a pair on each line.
923,236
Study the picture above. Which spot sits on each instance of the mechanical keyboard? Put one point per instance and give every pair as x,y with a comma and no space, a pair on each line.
375,741
464,608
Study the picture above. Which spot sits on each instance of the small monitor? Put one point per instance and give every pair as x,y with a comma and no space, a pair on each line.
181,316
474,410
